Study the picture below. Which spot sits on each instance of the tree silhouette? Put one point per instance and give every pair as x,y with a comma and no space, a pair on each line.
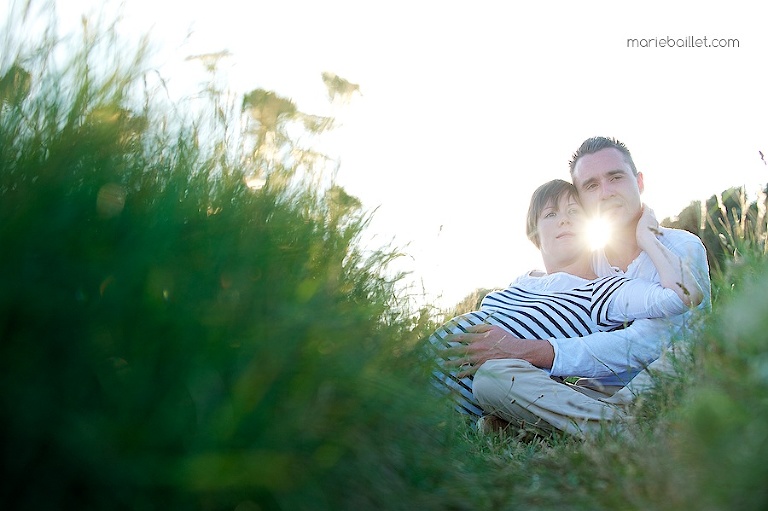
725,222
274,121
338,87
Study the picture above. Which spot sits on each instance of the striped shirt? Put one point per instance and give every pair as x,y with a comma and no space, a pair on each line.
558,306
530,314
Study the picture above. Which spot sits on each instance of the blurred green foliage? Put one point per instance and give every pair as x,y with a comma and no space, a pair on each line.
170,337
722,436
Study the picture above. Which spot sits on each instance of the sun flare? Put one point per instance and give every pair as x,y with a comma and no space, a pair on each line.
598,233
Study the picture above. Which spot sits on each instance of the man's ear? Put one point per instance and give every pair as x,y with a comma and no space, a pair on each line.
640,185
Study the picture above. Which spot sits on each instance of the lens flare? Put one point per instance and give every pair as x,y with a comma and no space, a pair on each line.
598,233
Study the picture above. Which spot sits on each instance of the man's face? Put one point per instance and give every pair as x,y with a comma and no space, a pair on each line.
607,187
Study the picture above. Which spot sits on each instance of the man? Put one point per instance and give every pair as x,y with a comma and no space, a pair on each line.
514,381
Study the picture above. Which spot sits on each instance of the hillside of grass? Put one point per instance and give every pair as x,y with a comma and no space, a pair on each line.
172,337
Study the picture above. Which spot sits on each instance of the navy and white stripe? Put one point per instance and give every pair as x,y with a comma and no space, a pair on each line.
529,314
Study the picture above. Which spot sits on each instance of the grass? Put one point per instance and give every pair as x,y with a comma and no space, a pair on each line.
171,338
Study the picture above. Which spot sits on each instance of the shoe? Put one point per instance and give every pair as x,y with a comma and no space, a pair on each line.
490,424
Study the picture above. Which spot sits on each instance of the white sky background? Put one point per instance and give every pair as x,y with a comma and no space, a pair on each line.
467,107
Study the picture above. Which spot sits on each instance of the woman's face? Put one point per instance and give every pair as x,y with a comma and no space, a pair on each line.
561,227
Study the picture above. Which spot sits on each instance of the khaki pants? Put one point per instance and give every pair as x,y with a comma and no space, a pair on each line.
525,395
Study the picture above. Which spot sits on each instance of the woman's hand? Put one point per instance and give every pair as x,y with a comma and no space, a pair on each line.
647,228
674,273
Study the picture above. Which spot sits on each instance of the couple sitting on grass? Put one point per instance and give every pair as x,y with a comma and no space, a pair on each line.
602,319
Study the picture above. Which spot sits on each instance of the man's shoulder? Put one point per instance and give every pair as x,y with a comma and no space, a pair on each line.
689,248
678,236
672,231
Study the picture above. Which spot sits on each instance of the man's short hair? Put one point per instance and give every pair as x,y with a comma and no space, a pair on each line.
595,144
549,193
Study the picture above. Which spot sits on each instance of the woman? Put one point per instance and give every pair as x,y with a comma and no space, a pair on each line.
568,300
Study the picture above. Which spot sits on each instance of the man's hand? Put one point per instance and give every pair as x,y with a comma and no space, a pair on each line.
486,342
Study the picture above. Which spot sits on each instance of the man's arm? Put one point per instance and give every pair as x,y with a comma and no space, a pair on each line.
630,350
486,342
598,355
604,354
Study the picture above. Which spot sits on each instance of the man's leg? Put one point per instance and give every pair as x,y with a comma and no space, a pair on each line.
525,395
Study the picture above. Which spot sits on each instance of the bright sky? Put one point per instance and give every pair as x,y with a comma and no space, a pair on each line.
467,107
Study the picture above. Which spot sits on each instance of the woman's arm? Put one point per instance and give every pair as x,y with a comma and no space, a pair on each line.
673,273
